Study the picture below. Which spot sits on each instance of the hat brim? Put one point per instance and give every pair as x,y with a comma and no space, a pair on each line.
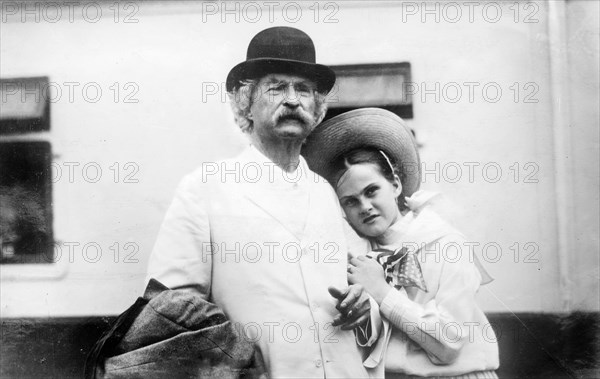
322,75
365,127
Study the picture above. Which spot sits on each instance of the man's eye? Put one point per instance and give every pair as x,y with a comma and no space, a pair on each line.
276,88
302,89
307,91
371,191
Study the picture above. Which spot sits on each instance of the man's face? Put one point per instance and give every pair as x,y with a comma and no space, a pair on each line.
283,107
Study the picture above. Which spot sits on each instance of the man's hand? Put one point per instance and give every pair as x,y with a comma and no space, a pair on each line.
353,304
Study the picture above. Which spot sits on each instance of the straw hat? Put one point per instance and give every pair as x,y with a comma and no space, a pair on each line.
365,127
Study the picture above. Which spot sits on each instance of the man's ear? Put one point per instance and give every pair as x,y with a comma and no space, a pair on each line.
247,125
321,117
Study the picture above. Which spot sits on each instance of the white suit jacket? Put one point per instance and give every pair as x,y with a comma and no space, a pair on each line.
265,246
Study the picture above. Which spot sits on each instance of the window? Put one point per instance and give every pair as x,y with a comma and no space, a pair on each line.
371,85
25,179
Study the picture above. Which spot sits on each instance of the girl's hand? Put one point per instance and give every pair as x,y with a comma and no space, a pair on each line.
368,273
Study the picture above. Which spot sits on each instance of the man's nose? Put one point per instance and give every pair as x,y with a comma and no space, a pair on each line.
291,96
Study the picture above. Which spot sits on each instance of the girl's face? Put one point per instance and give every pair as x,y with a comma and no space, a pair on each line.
369,199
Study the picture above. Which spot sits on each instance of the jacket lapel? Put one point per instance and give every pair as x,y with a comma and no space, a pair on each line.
267,200
269,194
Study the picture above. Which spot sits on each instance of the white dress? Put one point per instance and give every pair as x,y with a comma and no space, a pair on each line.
441,332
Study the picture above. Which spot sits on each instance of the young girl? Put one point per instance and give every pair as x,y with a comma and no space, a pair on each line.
421,271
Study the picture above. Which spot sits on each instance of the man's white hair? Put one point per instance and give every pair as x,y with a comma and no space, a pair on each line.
242,96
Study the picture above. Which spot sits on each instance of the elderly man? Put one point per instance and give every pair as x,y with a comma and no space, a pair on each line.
261,235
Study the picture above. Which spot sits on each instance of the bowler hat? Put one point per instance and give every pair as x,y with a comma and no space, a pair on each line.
281,50
365,127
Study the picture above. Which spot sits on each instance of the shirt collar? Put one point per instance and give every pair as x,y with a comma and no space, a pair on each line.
275,173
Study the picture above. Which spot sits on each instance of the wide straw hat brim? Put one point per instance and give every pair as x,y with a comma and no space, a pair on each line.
365,127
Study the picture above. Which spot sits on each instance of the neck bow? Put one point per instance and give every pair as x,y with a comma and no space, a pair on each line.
401,267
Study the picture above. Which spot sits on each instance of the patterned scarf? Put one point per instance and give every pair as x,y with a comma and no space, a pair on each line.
401,267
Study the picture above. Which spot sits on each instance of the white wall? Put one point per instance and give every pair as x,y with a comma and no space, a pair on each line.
171,53
583,59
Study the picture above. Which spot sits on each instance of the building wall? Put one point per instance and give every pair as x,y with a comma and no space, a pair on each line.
583,62
174,61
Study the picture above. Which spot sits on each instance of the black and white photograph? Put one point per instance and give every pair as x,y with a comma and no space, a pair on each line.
300,189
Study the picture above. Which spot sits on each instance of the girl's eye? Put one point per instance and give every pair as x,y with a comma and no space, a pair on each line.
371,191
349,202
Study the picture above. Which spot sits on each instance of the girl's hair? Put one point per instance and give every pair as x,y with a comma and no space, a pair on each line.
387,167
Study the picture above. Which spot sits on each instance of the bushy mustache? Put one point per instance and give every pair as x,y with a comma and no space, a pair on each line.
294,114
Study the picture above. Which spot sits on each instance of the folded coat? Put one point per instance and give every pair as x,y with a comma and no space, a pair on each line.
174,334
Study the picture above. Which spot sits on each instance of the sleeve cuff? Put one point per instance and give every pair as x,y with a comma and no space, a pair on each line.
394,305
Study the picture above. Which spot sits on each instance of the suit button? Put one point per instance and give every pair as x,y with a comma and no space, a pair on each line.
318,363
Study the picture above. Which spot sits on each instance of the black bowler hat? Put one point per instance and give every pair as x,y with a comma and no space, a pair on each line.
281,50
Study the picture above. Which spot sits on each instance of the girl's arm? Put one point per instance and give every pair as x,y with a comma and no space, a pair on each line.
444,322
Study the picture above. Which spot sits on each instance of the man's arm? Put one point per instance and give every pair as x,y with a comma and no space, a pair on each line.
368,330
181,256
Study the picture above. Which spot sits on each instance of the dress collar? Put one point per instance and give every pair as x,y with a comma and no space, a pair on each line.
396,231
